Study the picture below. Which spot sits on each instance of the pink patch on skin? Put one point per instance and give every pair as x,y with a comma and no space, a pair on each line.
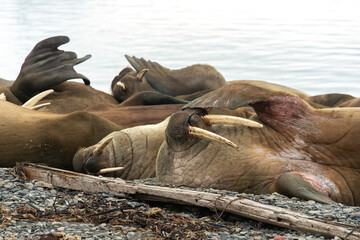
322,184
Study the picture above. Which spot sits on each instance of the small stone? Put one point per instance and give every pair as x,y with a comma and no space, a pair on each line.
8,185
29,185
49,202
43,184
23,192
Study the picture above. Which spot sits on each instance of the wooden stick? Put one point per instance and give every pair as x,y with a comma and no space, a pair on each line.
236,205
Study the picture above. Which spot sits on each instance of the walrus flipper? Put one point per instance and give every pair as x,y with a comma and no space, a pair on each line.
292,185
45,67
158,77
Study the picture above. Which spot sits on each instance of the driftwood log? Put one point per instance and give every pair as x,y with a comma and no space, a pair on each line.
236,205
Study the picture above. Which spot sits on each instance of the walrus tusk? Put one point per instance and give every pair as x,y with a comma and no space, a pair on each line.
102,146
122,85
108,170
40,105
2,97
230,120
35,99
142,73
201,133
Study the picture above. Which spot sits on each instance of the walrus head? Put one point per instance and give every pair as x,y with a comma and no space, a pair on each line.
128,83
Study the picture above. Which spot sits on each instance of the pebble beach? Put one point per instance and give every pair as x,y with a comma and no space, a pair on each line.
38,210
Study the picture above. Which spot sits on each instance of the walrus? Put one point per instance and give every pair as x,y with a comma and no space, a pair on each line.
300,151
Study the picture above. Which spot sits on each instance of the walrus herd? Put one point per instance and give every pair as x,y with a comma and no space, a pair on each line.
186,126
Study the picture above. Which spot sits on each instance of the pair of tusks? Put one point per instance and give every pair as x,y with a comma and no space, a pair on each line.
30,104
139,76
221,119
98,150
35,99
195,131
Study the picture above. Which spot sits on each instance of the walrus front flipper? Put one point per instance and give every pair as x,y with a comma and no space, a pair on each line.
45,67
292,185
158,77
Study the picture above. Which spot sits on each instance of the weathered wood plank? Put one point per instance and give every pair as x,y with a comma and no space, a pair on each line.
236,205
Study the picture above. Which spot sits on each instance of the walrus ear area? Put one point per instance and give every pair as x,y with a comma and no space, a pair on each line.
155,74
268,104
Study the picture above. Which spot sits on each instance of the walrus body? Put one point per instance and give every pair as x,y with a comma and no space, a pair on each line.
301,151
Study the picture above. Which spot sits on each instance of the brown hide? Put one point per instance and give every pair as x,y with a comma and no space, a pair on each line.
319,148
130,116
72,96
48,138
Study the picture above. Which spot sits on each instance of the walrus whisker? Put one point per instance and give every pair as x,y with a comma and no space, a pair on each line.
142,73
122,85
109,170
102,146
201,133
231,120
35,99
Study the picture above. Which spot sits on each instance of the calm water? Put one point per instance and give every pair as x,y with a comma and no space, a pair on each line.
310,45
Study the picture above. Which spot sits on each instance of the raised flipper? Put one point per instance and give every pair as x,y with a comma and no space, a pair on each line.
183,81
157,77
45,67
292,185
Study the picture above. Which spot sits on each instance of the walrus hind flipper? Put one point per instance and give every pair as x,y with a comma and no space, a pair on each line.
292,185
158,77
45,67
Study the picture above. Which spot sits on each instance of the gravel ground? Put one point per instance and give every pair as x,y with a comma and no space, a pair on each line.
36,210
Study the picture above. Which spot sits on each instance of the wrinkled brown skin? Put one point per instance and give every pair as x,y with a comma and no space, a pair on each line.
187,83
53,139
135,149
318,148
